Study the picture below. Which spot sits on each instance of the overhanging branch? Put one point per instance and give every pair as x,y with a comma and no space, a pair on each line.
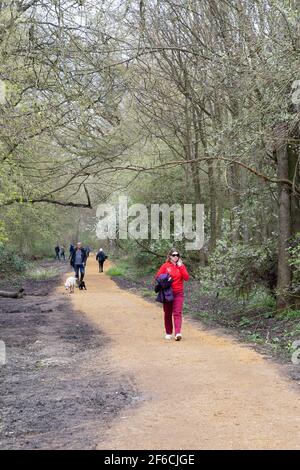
46,200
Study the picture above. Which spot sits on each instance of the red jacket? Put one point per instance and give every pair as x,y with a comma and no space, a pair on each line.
177,273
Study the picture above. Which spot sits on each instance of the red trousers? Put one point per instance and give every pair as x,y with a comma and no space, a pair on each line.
173,310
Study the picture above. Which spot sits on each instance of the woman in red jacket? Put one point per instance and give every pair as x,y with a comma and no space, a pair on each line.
179,274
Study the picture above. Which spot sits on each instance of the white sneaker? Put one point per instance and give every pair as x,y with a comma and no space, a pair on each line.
168,337
178,337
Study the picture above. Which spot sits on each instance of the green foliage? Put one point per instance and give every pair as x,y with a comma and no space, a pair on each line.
146,293
255,338
10,261
294,260
34,230
70,121
135,255
238,268
261,298
245,322
288,315
203,314
3,233
115,271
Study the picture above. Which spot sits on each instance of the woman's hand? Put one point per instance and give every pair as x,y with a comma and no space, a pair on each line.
179,262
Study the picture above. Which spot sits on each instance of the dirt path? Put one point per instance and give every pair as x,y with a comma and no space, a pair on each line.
57,389
205,392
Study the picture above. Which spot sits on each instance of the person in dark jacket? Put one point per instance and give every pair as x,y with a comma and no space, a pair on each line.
57,250
71,250
78,260
62,253
175,268
101,257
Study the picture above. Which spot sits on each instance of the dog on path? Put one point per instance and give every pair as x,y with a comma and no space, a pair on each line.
82,285
70,284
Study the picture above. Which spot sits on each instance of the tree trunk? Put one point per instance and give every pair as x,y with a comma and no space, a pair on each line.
12,295
236,202
189,153
284,224
213,207
211,185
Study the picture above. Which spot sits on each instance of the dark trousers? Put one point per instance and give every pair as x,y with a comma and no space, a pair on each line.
77,268
101,266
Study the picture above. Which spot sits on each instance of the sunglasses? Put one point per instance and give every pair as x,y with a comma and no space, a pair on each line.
175,254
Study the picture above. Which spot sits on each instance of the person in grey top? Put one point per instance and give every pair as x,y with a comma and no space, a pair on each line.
78,261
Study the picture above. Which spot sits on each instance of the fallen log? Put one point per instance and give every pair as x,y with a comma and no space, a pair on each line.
12,295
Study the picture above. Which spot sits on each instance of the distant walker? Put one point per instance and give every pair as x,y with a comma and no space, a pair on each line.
101,257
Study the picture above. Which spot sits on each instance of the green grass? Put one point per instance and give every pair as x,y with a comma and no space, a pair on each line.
39,274
202,314
125,267
147,293
115,271
244,322
255,338
288,315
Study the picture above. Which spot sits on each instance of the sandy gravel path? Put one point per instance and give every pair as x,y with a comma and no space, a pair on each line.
205,392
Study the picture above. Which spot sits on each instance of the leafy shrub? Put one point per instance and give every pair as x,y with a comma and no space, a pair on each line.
10,262
148,254
240,268
261,298
294,261
115,271
289,315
